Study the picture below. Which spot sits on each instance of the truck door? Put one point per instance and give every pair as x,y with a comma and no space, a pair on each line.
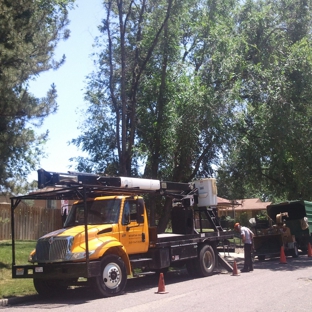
133,228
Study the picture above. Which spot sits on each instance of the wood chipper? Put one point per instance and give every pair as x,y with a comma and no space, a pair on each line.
291,227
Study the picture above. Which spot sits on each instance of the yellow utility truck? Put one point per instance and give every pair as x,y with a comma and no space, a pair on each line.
106,237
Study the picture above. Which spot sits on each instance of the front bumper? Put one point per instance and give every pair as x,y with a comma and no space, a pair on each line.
57,270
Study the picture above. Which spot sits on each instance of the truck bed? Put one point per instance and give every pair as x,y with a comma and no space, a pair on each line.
167,238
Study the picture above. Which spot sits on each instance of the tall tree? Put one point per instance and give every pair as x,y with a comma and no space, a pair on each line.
131,32
163,53
185,85
201,103
29,33
271,155
171,71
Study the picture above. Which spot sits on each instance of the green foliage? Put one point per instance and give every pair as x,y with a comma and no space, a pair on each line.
175,121
14,287
29,32
262,215
158,97
131,34
227,222
243,219
271,149
187,87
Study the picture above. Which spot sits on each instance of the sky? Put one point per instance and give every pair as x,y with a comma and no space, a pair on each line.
70,81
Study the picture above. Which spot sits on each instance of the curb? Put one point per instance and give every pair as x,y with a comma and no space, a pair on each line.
4,302
16,300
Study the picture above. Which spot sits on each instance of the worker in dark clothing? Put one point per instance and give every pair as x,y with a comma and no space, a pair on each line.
247,238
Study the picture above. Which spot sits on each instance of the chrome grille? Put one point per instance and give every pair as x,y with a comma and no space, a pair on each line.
53,249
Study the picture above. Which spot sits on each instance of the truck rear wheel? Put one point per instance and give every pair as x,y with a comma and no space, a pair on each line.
207,261
204,265
49,288
113,278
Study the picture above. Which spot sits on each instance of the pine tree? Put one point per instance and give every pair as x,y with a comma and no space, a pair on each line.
29,33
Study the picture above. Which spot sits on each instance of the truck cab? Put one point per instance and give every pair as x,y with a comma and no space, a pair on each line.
108,219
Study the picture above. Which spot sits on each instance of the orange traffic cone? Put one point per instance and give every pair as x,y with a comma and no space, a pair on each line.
282,256
235,271
161,285
309,250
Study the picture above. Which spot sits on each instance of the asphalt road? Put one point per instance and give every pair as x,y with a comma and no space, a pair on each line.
270,287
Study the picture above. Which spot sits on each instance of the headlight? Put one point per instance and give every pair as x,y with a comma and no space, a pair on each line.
80,255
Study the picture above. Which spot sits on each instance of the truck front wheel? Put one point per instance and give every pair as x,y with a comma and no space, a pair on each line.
113,278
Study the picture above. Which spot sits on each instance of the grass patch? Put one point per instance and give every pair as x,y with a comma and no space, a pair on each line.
14,287
237,241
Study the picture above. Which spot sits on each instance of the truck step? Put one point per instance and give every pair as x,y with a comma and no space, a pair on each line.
140,260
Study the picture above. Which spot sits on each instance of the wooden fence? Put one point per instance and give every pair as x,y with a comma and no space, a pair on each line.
30,222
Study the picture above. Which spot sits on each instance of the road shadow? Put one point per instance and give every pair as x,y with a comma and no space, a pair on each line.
292,264
84,294
5,265
73,296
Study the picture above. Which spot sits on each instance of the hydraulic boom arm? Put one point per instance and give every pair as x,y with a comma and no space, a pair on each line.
55,179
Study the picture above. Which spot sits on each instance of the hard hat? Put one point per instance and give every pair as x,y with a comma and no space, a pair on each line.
236,225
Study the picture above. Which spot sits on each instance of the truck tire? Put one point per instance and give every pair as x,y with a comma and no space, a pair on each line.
163,270
204,265
113,278
207,261
49,288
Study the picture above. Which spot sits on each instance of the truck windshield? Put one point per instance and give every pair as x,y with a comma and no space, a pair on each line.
99,212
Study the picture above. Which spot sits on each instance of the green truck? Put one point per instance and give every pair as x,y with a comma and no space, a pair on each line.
292,216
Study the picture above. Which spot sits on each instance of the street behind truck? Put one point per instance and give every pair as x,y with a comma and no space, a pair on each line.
107,239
